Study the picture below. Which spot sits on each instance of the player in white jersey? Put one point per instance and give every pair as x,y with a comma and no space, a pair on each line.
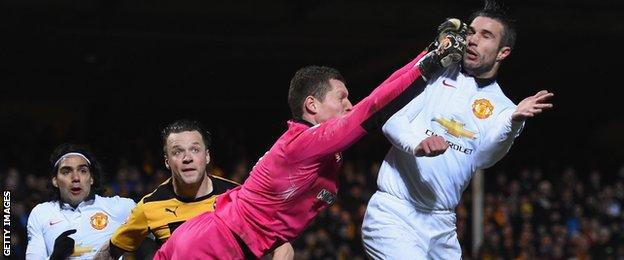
412,215
76,222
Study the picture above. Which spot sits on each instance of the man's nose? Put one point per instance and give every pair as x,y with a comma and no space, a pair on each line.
75,176
472,39
349,106
187,158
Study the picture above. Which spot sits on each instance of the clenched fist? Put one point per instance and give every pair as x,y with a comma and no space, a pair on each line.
431,146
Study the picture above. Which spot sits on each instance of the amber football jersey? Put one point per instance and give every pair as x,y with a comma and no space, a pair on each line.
162,211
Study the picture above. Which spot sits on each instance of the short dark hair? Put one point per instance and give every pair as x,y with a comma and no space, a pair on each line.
497,12
184,125
94,167
310,81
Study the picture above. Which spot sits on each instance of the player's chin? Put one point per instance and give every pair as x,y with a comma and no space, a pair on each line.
190,177
472,66
75,199
469,63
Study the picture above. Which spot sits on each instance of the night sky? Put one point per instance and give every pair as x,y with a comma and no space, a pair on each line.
111,73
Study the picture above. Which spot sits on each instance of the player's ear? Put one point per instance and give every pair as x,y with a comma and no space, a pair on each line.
166,161
310,105
54,182
503,53
207,156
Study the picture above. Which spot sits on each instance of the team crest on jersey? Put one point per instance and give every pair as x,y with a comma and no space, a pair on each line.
326,196
482,108
454,128
99,221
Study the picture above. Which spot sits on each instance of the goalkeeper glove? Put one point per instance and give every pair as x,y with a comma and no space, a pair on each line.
448,48
63,245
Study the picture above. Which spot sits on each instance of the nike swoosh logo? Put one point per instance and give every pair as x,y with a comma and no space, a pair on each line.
448,85
55,222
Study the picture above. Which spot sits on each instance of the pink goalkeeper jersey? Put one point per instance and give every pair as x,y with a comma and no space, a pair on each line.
297,177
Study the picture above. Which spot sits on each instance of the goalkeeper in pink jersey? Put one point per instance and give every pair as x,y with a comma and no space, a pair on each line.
297,178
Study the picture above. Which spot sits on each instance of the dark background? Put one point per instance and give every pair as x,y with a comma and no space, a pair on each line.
111,73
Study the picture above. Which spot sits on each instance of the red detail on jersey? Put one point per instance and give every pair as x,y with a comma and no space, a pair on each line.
448,85
52,223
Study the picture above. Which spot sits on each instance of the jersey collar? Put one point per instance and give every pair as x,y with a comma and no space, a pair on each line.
302,121
188,200
481,82
89,200
485,82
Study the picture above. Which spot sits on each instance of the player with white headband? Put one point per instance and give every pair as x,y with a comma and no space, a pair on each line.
76,221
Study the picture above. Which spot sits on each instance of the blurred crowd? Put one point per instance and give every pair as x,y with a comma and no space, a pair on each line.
570,214
529,213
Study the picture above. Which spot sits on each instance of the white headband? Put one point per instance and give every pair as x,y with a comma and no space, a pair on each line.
70,154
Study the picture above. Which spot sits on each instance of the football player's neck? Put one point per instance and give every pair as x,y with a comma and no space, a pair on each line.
193,190
309,118
486,73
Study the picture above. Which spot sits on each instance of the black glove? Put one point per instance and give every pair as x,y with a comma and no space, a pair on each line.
63,246
446,49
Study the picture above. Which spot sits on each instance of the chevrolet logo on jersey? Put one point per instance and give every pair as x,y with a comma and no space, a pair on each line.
454,128
452,145
81,250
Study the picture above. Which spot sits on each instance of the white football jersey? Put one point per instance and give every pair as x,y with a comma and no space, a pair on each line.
95,220
475,120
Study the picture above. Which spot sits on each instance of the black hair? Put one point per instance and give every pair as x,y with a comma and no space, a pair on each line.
493,10
184,125
94,167
310,81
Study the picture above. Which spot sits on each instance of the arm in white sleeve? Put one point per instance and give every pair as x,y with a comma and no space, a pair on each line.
498,140
36,248
397,129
